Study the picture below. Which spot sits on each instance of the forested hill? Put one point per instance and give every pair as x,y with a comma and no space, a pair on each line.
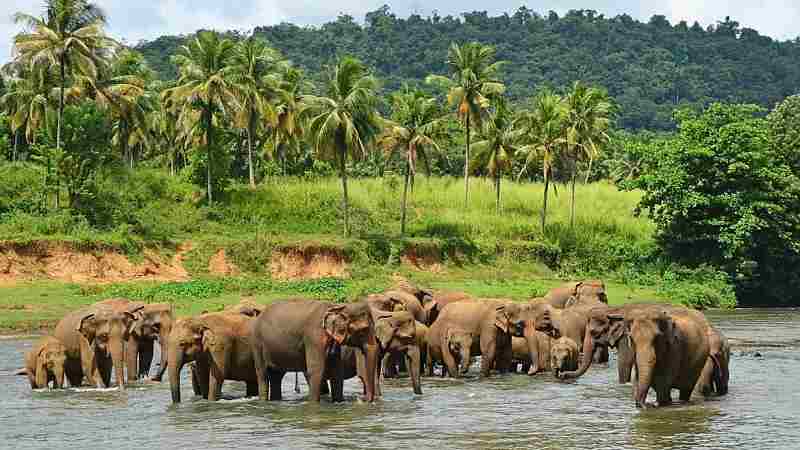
647,67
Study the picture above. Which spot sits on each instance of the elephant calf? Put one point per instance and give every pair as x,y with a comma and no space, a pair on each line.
397,335
45,363
716,372
521,353
564,355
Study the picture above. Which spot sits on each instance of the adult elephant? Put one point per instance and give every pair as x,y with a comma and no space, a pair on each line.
716,371
490,324
94,340
398,301
522,353
398,335
219,345
670,349
153,322
306,336
587,292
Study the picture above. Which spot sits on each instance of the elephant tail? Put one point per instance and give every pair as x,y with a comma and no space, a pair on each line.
720,376
21,372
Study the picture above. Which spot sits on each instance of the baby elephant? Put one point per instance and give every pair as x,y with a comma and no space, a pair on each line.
563,355
45,363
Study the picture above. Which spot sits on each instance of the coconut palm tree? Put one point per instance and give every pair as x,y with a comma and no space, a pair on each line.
494,152
204,91
588,119
256,78
416,124
69,37
28,99
343,122
544,137
291,113
472,81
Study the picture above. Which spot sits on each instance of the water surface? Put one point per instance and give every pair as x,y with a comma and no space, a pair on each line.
761,411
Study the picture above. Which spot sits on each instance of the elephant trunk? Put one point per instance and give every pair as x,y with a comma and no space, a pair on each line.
586,358
175,365
466,360
162,342
645,366
625,359
414,368
117,349
371,353
41,372
58,376
533,348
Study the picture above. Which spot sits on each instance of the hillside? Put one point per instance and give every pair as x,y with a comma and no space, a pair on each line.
648,68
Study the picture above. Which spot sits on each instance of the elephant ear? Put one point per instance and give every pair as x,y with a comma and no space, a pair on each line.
86,326
209,338
336,309
501,318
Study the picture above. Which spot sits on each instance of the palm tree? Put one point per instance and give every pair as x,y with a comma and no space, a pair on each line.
497,146
544,128
472,81
416,124
27,99
204,90
290,114
346,120
256,80
69,37
588,119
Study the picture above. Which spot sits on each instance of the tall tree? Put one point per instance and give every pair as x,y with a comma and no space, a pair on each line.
257,82
204,90
544,127
499,139
27,100
473,80
416,124
290,113
69,37
588,119
344,121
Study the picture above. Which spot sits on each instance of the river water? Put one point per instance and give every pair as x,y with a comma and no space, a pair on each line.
762,410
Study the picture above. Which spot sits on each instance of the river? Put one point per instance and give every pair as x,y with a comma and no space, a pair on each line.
762,410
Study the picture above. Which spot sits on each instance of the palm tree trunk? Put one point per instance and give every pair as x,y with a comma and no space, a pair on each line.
497,188
572,201
544,203
250,154
209,145
405,200
16,143
589,171
466,164
61,102
343,173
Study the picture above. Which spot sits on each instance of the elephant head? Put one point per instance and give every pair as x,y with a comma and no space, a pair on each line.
352,325
387,303
185,344
395,330
154,322
107,330
605,327
650,332
563,355
524,321
715,374
588,292
459,344
50,365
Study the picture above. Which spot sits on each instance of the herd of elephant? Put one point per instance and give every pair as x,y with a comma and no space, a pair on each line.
406,329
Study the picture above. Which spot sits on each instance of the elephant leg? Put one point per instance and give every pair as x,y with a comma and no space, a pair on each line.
685,395
104,368
504,359
145,357
625,361
216,379
88,364
337,383
275,380
413,362
252,389
259,361
664,396
488,354
203,375
131,358
198,391
316,363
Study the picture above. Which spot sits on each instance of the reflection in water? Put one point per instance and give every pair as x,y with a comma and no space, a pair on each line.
499,413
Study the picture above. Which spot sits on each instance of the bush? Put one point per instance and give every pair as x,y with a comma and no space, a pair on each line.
21,188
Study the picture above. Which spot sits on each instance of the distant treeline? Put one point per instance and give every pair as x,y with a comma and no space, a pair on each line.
648,68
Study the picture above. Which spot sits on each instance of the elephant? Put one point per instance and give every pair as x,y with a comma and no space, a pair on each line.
307,336
45,363
670,350
490,323
564,355
153,322
437,302
588,292
397,335
398,301
522,353
94,338
246,307
219,345
716,371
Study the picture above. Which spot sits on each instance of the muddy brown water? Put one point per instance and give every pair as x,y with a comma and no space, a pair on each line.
762,410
